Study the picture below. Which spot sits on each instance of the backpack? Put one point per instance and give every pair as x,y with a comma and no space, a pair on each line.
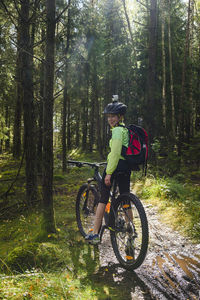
137,152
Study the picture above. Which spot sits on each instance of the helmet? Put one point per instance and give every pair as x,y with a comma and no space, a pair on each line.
115,107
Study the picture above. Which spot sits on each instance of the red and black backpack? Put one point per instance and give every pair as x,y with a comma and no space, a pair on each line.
137,152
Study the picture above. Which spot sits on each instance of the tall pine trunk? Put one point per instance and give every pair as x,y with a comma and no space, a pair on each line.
171,74
164,118
151,80
48,210
182,116
18,108
85,101
40,117
64,116
28,105
92,122
69,142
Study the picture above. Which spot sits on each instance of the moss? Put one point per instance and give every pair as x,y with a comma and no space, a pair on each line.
32,255
22,257
48,255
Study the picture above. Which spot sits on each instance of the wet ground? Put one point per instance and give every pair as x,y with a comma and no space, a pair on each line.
171,269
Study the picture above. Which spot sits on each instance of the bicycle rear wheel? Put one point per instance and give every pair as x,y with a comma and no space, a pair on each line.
130,236
86,204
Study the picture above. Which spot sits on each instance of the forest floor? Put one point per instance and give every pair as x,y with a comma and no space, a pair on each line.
74,269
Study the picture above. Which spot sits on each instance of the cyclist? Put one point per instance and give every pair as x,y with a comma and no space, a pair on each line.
116,163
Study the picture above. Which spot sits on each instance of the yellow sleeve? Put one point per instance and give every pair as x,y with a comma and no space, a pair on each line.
114,155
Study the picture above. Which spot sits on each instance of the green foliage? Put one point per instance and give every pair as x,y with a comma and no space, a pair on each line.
191,156
169,194
78,154
156,146
22,258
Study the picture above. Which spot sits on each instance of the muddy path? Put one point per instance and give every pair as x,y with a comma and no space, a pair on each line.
171,269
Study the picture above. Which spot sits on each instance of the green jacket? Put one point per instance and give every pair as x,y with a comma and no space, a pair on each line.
119,137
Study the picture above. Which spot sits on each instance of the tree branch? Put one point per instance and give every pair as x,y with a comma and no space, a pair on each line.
20,48
9,14
18,172
58,93
139,23
17,9
62,12
146,6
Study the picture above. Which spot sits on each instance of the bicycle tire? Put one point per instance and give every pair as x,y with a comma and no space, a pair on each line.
140,237
86,203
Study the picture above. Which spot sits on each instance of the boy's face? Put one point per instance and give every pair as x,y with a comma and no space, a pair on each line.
113,120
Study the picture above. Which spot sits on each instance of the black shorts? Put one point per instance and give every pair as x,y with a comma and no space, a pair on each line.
123,181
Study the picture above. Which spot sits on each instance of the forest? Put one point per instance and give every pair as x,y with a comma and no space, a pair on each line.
61,62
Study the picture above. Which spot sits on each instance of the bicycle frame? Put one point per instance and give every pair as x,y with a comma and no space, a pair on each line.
98,178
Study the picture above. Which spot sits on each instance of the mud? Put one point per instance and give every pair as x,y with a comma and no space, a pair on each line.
171,269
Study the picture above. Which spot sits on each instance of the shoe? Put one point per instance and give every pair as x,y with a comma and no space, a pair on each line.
93,239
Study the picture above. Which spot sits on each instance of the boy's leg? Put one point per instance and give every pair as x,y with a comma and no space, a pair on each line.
105,192
99,216
124,187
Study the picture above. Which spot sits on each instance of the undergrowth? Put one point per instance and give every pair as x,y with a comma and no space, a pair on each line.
64,266
178,202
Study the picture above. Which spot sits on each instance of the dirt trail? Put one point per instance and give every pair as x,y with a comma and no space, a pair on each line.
171,269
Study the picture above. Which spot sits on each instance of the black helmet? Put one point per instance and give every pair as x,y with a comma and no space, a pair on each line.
115,107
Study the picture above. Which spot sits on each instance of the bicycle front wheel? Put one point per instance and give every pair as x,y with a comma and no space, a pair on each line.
130,236
86,205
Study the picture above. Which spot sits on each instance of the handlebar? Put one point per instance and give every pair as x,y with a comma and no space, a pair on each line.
82,163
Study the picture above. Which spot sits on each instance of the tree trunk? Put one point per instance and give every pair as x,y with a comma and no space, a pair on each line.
7,123
183,83
97,118
130,32
163,67
64,117
28,106
69,144
48,210
92,122
18,104
64,144
151,77
191,100
171,74
77,129
85,102
40,114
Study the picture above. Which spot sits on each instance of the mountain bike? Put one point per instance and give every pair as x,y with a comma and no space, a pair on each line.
124,217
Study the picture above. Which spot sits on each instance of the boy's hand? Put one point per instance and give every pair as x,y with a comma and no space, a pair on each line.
107,180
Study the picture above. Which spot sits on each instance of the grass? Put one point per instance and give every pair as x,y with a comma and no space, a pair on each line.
64,266
178,202
40,285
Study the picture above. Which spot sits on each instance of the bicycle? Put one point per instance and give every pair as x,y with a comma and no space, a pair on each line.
124,217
